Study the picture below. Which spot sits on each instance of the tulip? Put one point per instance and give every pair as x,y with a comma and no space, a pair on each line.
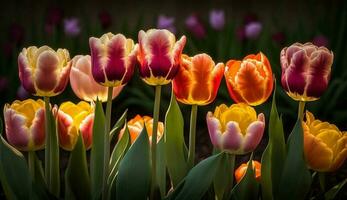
159,56
253,30
25,124
236,129
325,146
197,80
250,80
195,26
217,19
43,71
72,27
166,22
241,170
136,125
73,119
113,59
83,83
306,71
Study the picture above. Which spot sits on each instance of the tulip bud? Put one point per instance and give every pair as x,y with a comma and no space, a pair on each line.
236,129
83,83
241,170
197,80
136,125
325,146
159,56
113,59
306,71
43,71
73,119
250,80
25,124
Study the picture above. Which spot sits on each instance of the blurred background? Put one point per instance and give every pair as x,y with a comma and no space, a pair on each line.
221,28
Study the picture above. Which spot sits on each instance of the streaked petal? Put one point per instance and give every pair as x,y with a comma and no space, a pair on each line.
214,129
47,71
232,137
254,134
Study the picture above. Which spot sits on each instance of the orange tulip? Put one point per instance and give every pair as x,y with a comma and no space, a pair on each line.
197,80
241,170
136,125
325,146
250,80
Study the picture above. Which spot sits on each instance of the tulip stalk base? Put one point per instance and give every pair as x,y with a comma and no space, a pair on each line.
192,135
31,163
301,110
154,138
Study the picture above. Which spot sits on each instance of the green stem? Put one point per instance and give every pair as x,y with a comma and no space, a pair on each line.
192,134
107,142
301,110
321,176
31,163
48,144
232,167
154,138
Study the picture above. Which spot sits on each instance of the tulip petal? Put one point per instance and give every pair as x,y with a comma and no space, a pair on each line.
214,129
63,79
232,138
47,71
25,74
254,134
97,67
86,129
64,123
341,153
37,130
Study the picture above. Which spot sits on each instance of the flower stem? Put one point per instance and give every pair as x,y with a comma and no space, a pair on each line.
31,163
301,110
232,167
192,133
48,145
107,142
321,176
154,138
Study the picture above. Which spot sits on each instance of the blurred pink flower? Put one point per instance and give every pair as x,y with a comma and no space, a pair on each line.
7,49
105,19
166,22
195,26
22,93
16,33
72,26
55,16
320,40
3,83
217,19
249,18
279,37
240,33
253,30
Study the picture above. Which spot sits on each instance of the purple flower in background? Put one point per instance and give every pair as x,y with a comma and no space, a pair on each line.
105,19
16,33
195,26
240,33
249,18
3,83
279,37
320,40
72,27
165,22
252,30
217,19
7,49
22,93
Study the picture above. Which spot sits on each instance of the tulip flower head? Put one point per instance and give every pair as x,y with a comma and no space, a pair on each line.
43,71
136,125
306,71
159,56
73,119
217,19
197,80
241,170
249,80
25,124
113,59
325,146
83,83
236,129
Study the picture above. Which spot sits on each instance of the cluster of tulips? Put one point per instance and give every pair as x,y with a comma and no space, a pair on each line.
146,150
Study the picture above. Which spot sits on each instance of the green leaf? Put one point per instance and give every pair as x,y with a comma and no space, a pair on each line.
14,173
161,167
274,154
77,181
222,183
133,181
248,187
200,178
117,155
119,124
296,178
331,194
97,152
174,143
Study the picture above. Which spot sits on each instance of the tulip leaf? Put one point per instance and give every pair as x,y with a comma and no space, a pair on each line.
274,154
14,173
117,155
222,183
296,178
175,148
97,151
200,178
77,181
248,187
331,194
161,167
134,176
119,124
